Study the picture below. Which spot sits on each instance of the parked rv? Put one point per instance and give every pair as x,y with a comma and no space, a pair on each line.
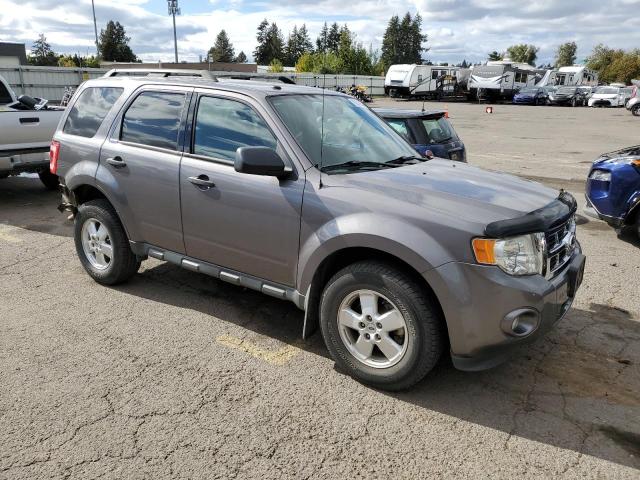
574,76
432,81
502,79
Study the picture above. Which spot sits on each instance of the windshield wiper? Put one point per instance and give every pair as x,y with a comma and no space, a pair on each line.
406,159
354,165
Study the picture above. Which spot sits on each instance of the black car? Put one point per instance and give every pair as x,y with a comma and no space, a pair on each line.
426,131
574,96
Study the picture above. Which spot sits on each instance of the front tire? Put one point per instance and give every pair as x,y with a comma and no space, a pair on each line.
380,326
102,244
49,180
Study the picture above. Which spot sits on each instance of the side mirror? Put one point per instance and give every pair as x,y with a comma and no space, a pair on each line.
259,161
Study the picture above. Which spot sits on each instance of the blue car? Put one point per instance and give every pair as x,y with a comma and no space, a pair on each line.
426,131
531,96
613,188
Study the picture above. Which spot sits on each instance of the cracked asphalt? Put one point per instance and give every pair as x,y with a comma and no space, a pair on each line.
177,375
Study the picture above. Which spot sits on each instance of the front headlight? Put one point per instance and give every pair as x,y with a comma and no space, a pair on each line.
520,255
601,175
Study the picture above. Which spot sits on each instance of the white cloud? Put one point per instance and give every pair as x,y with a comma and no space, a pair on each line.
457,29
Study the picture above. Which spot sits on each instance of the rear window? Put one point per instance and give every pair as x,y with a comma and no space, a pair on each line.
438,130
154,119
88,112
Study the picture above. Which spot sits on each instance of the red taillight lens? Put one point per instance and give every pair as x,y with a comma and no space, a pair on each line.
54,151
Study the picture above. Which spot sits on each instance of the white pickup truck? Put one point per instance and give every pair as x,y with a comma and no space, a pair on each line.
26,127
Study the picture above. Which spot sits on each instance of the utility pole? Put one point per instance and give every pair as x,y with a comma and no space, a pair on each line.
173,11
95,29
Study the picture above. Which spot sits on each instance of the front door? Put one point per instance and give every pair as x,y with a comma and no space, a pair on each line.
141,162
247,223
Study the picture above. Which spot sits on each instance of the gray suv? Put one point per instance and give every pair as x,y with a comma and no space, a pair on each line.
308,196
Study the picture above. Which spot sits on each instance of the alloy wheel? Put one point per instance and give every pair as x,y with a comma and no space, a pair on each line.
96,244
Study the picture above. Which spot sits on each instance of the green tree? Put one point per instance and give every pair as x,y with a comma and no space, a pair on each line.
333,39
222,51
241,58
275,66
614,65
566,54
390,42
270,43
327,62
298,43
323,39
523,53
42,54
495,56
114,44
403,40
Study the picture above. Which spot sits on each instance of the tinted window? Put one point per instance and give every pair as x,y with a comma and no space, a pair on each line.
5,97
154,119
438,130
88,112
223,126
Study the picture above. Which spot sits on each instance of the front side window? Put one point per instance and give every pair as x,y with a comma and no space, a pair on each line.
5,96
154,119
334,130
89,110
223,126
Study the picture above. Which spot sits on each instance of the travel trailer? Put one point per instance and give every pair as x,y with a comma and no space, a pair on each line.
502,79
414,80
575,76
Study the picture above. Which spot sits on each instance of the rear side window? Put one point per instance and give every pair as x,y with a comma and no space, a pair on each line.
154,119
223,126
5,97
88,112
401,127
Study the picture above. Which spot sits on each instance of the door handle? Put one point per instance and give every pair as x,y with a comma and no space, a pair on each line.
202,181
29,120
116,161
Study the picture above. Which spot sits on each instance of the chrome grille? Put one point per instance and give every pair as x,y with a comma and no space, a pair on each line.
561,242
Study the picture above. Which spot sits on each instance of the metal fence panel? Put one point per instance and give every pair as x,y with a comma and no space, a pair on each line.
50,82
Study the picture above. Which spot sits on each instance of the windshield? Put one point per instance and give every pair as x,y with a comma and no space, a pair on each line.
529,90
438,130
352,132
608,90
566,90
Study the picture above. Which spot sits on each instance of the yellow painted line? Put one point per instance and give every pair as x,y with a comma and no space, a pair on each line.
277,357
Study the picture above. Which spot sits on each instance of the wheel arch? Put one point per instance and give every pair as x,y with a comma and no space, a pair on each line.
87,191
343,257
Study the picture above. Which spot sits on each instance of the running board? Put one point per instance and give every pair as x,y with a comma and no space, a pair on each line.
226,275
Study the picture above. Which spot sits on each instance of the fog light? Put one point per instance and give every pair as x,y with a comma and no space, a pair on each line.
521,322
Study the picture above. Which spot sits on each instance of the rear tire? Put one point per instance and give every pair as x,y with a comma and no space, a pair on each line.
102,243
635,110
360,308
49,180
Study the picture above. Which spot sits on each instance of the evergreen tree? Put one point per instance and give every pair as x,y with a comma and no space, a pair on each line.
333,39
403,40
566,54
390,40
323,39
494,56
270,43
241,58
42,54
222,51
298,43
114,44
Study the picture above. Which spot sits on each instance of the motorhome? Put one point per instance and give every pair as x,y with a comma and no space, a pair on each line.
575,76
420,80
502,79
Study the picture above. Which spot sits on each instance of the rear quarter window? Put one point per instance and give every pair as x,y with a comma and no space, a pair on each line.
88,112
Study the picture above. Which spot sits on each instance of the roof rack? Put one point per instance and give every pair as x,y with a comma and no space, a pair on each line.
159,73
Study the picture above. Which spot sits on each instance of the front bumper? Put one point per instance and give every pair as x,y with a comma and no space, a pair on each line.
478,303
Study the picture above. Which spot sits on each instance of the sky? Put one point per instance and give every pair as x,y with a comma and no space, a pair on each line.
457,29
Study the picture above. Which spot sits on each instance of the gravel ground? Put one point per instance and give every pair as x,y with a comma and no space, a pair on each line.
177,375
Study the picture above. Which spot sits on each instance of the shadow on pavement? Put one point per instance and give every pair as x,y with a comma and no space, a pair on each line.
26,203
576,389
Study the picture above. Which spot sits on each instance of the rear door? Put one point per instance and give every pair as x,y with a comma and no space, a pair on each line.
247,223
140,163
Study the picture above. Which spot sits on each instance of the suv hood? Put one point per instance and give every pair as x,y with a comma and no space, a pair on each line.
455,189
623,156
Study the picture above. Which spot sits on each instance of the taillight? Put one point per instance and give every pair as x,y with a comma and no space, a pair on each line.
54,152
